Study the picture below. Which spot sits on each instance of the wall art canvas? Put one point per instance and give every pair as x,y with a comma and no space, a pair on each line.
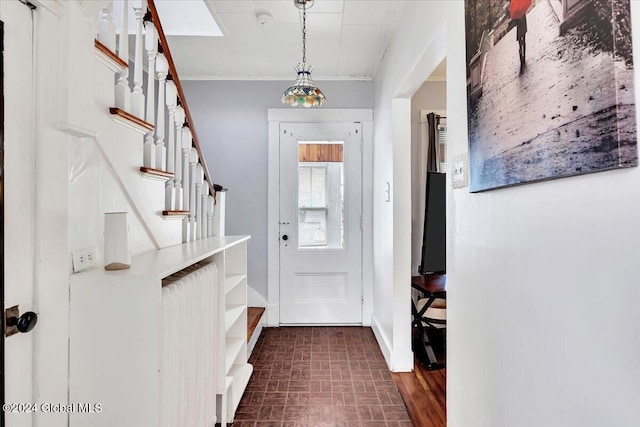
550,89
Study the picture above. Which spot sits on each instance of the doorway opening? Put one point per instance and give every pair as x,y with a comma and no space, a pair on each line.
2,391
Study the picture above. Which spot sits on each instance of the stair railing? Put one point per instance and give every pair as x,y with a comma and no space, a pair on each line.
176,156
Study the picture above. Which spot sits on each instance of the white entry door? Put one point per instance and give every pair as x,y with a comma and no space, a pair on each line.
320,223
18,174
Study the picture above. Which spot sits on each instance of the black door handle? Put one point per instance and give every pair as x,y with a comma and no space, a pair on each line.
24,323
285,237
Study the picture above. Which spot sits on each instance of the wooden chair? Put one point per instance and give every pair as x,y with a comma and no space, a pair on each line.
429,322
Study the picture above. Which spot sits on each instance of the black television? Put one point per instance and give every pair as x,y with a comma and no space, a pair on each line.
434,238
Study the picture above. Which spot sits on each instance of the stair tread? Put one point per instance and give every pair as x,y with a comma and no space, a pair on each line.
113,57
253,319
156,172
130,118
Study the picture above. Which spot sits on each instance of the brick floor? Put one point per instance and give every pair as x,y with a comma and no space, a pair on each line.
320,376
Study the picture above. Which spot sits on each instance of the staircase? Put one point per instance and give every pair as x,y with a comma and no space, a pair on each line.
144,136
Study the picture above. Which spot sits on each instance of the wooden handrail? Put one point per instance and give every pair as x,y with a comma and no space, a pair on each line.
155,18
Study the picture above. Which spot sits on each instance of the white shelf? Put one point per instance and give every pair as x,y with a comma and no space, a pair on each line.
164,262
232,314
123,370
241,374
231,282
233,348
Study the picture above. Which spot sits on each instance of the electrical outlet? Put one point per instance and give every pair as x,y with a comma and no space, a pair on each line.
83,259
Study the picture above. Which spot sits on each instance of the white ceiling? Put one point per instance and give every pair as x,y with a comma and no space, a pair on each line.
346,40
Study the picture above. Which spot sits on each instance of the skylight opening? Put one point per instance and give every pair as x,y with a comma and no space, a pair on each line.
178,17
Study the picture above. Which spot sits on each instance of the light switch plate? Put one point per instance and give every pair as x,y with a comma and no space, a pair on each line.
460,171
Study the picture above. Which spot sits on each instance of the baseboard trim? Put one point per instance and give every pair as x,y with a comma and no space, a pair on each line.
273,315
367,313
383,341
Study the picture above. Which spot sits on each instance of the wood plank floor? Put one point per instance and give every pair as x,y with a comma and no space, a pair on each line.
424,394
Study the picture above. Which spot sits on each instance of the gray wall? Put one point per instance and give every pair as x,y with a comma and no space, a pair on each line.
231,122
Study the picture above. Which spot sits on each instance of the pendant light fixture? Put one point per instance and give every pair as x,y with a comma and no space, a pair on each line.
303,92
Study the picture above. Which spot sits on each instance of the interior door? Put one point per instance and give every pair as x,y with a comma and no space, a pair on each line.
320,223
18,179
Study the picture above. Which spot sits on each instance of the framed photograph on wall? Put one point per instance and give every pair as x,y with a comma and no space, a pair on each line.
550,89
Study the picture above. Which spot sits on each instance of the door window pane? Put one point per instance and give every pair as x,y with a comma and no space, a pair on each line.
320,195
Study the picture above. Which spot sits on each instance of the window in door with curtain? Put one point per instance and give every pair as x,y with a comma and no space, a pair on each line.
320,195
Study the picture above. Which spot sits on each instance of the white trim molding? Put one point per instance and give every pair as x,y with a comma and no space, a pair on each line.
383,340
276,116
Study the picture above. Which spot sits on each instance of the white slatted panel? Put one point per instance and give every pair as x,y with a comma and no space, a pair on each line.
188,347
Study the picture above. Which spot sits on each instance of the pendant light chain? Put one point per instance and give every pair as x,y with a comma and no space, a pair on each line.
304,32
303,92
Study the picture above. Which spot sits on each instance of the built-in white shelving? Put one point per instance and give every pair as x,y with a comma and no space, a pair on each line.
235,371
115,333
233,312
232,281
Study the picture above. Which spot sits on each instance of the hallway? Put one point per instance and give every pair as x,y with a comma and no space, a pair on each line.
320,376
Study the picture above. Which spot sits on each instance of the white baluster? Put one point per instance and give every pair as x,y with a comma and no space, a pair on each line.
106,29
123,92
151,46
198,201
177,180
186,147
186,227
205,195
172,102
210,208
193,160
162,69
186,166
137,96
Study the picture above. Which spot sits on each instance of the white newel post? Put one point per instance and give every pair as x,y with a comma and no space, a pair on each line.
204,230
177,181
137,96
198,201
151,46
172,102
210,208
106,29
123,92
193,161
162,69
218,214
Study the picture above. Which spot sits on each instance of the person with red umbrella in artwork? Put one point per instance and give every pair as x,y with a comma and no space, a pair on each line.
518,11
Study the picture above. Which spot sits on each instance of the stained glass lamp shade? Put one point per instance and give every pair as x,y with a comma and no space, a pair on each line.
303,92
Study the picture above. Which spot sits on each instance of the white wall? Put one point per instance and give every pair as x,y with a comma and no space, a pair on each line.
432,97
543,319
79,173
231,122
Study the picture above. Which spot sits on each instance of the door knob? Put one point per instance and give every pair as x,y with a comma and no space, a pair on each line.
285,237
23,324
